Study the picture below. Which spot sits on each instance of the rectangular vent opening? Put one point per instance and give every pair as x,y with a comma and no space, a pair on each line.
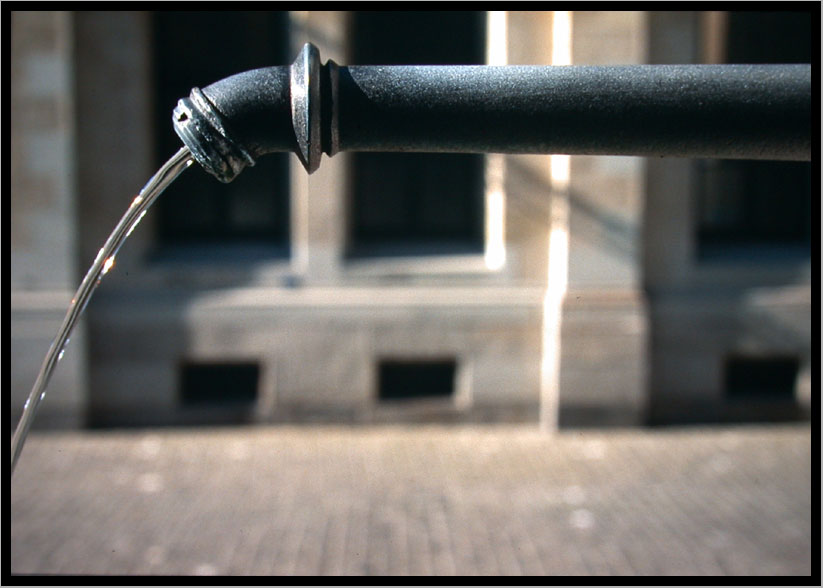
409,380
219,384
765,378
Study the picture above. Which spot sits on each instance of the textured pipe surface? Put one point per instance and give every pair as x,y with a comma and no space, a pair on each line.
745,111
710,111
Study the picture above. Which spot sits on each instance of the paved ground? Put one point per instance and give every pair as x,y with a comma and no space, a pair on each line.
425,500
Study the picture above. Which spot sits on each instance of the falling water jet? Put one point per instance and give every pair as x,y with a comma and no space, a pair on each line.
101,266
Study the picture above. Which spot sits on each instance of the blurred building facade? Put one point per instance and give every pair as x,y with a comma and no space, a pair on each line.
397,287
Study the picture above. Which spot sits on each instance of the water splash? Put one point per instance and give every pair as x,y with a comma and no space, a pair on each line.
101,266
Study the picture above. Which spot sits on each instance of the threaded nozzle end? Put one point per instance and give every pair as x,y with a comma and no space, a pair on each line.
205,132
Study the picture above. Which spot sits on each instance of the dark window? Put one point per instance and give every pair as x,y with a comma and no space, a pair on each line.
769,37
754,202
746,203
761,378
219,384
416,203
405,380
197,49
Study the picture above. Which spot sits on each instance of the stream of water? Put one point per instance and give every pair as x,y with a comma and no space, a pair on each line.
101,266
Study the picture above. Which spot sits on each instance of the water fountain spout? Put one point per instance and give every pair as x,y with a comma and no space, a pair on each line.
710,111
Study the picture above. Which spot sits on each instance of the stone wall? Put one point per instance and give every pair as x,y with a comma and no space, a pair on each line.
590,348
317,324
603,362
44,270
705,311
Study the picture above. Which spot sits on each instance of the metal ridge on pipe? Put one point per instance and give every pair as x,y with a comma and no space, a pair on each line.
696,111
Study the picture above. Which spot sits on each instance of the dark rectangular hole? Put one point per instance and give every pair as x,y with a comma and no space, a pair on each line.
219,384
771,378
406,380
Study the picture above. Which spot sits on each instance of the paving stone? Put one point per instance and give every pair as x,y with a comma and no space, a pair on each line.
424,500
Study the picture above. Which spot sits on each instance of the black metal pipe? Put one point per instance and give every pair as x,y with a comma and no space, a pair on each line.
715,111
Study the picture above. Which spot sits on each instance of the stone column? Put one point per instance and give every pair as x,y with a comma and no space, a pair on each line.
44,266
319,200
603,358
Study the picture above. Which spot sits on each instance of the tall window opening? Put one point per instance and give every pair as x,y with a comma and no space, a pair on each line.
754,203
197,49
416,203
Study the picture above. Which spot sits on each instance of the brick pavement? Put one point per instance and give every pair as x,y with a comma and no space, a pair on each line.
493,500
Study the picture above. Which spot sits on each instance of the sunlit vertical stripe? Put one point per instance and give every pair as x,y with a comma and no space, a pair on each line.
562,38
495,254
495,250
496,39
558,253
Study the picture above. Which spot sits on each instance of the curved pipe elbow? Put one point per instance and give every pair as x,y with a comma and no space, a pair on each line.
229,124
232,122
